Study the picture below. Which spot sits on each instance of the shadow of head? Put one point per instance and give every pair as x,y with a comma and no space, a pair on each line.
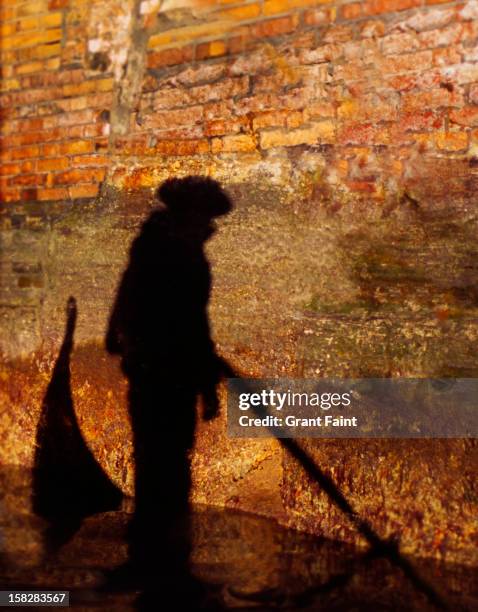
197,197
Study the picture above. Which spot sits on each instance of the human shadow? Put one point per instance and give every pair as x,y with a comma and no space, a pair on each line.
68,482
160,328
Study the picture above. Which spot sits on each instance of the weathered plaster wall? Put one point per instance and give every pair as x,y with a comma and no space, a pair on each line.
345,134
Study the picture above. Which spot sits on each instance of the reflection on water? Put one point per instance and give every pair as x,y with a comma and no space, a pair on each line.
244,561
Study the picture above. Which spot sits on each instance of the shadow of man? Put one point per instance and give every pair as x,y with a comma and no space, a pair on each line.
159,326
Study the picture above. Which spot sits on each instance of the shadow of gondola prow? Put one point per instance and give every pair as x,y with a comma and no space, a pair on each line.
68,482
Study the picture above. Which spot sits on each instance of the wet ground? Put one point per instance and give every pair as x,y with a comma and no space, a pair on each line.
244,562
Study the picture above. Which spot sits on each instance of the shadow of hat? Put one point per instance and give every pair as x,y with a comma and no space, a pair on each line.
196,195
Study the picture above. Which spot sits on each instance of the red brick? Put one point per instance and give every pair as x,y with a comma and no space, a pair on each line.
83,191
34,96
420,121
315,133
77,146
73,104
28,179
220,127
317,17
272,7
55,163
7,13
467,117
87,87
321,109
170,97
173,118
90,131
200,73
89,160
37,137
216,91
78,175
50,150
399,43
469,11
474,94
58,193
351,11
463,73
363,134
245,12
376,7
278,80
9,195
322,54
71,118
451,141
221,109
255,62
17,168
401,82
435,98
138,177
10,140
182,147
190,132
338,34
47,79
275,27
237,44
451,35
56,4
215,48
445,56
25,152
27,124
407,62
363,186
470,55
297,98
434,19
236,143
270,119
370,107
372,29
170,57
118,176
29,193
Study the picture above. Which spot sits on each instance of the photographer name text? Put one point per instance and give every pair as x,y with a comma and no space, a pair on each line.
268,398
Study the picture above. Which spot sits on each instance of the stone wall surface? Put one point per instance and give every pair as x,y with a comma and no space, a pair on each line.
346,134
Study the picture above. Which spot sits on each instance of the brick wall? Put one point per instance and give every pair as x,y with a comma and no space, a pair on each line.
346,135
94,92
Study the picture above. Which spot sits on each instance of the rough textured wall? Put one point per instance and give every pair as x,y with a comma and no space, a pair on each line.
345,134
377,87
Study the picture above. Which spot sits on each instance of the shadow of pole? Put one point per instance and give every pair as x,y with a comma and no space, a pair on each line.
389,549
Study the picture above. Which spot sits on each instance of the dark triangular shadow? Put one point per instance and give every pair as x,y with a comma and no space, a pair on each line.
68,482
